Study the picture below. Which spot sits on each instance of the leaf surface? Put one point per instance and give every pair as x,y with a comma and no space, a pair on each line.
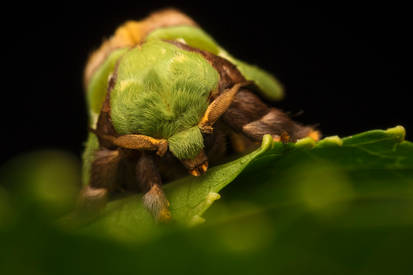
318,176
339,206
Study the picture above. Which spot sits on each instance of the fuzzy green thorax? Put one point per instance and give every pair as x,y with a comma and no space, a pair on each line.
196,37
162,91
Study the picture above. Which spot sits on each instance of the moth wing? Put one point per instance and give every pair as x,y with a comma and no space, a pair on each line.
268,85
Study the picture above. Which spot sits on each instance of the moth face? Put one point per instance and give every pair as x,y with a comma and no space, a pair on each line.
187,146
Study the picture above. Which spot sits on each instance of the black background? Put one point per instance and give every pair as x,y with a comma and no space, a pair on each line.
347,66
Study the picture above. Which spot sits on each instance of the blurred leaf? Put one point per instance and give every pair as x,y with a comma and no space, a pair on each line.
339,206
47,180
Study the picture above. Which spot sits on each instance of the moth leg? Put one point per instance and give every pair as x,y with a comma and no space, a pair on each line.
240,143
218,107
139,142
102,179
149,179
249,115
280,126
92,199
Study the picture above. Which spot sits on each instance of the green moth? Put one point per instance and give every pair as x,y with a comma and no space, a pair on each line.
165,99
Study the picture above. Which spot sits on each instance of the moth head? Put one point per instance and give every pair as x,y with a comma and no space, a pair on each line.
186,144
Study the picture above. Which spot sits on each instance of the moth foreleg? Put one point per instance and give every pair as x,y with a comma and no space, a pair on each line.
103,175
150,181
218,107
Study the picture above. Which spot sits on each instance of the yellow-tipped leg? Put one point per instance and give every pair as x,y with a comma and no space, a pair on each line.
276,138
204,167
157,204
92,199
196,166
199,170
285,137
195,172
164,215
314,134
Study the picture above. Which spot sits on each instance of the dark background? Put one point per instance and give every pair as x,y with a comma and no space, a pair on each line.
347,67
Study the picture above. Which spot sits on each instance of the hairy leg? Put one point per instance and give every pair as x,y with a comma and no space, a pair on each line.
249,115
102,179
149,179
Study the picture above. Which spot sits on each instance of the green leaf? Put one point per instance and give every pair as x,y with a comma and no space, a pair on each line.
316,175
190,197
339,206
